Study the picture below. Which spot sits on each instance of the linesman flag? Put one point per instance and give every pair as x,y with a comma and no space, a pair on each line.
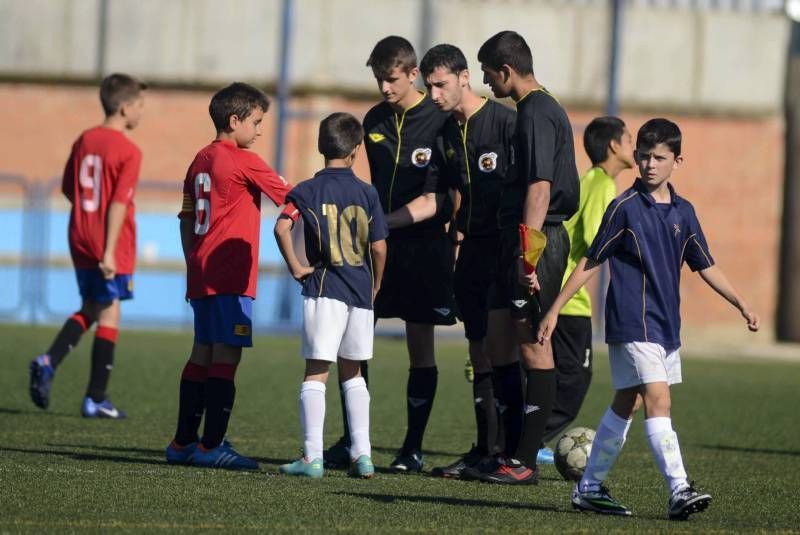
532,242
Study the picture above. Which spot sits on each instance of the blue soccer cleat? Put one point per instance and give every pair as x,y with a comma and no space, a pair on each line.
177,454
304,468
104,409
222,456
41,379
545,456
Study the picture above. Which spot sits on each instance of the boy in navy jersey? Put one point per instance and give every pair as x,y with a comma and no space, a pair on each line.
99,182
220,225
345,234
647,234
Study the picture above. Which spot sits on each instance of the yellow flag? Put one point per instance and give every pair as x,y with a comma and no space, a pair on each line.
532,242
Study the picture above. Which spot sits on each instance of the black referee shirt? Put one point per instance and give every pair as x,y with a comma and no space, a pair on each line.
400,149
478,156
543,150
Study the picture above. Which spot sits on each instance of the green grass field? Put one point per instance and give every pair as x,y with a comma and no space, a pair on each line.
737,422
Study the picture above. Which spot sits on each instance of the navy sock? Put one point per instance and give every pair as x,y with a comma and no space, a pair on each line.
105,339
191,404
220,393
421,390
67,338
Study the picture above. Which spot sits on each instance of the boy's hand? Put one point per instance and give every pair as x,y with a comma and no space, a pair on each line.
753,321
302,272
108,266
530,281
375,290
546,326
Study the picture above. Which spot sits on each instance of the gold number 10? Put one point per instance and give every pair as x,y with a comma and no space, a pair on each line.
340,234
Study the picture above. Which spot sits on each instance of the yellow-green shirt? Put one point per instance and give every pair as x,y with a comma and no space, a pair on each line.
597,192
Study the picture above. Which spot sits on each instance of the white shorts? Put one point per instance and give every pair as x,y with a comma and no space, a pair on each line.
333,329
638,363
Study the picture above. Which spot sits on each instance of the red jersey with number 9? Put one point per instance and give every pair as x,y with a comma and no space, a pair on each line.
103,167
222,194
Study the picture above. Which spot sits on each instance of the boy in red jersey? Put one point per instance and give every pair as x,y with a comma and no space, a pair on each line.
99,181
220,224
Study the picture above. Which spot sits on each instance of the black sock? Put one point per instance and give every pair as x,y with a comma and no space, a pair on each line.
105,340
67,338
345,438
219,394
191,403
420,392
508,392
539,396
485,412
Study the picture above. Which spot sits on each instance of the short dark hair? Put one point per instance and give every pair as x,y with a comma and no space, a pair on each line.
443,55
117,89
598,137
238,99
390,52
657,131
507,48
339,134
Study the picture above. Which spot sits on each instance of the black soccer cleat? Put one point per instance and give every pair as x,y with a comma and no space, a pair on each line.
687,501
598,501
453,471
407,462
512,472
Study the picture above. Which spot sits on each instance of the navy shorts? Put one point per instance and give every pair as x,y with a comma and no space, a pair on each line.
94,287
223,319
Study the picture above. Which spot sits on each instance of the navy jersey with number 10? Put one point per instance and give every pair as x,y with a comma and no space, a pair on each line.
342,216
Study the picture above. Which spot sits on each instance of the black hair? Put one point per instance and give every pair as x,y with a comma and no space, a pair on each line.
390,52
657,131
443,55
117,89
339,134
237,99
507,48
598,137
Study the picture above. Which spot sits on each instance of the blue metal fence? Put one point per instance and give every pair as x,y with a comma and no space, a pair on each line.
38,281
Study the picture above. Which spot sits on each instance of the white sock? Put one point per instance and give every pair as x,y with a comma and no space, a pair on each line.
607,444
312,417
356,401
667,451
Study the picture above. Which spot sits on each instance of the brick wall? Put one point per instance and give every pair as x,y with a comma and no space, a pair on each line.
732,172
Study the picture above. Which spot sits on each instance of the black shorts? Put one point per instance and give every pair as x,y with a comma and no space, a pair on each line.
475,282
418,280
550,271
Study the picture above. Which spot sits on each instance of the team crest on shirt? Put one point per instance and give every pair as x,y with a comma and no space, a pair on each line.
241,330
421,157
676,229
375,137
450,152
488,162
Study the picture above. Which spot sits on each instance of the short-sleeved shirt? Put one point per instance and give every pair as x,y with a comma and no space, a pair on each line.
543,150
102,168
477,162
342,216
222,192
647,244
400,148
597,192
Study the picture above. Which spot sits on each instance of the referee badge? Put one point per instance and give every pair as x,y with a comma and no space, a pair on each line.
375,137
488,162
421,157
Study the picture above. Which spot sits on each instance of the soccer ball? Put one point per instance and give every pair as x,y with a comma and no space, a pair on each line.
572,452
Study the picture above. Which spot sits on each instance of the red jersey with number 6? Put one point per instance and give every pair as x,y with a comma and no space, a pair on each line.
102,168
222,193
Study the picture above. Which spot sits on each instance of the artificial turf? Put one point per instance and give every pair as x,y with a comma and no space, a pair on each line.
737,422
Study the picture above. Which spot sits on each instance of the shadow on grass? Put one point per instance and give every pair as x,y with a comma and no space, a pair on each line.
3,410
87,456
460,502
722,447
138,451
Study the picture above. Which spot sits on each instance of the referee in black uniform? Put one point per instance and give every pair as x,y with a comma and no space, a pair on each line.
402,138
477,157
544,192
